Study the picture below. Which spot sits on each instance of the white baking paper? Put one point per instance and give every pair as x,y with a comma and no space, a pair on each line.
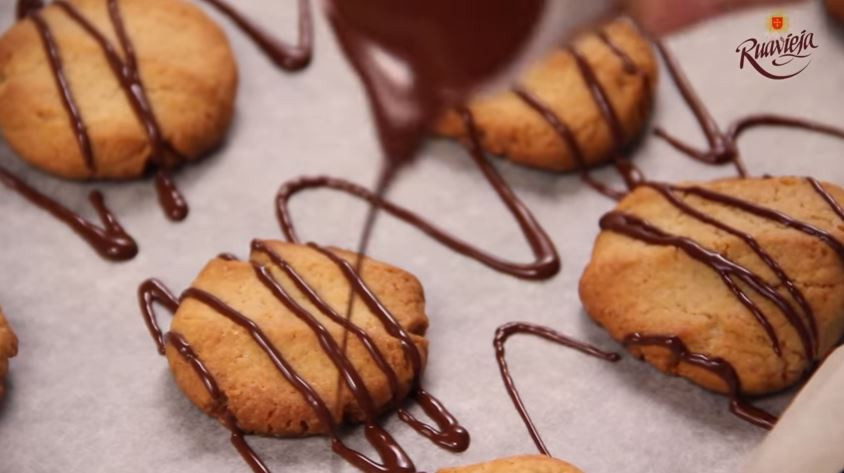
88,392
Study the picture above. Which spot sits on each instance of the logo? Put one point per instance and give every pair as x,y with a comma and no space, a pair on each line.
780,55
778,23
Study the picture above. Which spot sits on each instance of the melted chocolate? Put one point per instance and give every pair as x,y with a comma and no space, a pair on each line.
25,7
226,417
110,241
716,366
447,433
415,59
723,148
288,57
545,265
730,272
503,333
163,154
631,175
80,131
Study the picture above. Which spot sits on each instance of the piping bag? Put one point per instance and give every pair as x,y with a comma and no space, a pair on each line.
809,437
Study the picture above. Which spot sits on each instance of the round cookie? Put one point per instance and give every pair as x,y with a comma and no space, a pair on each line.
623,64
8,349
259,397
522,464
836,8
185,64
632,285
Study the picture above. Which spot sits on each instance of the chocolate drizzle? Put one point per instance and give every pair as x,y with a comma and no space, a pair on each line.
288,57
731,273
438,63
163,154
447,433
503,333
545,265
631,175
110,241
722,147
716,366
80,131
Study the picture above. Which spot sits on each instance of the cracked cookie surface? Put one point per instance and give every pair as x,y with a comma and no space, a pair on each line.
260,398
185,63
632,286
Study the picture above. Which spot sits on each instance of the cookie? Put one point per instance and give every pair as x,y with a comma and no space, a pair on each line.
624,68
258,395
185,64
8,349
658,270
836,8
522,464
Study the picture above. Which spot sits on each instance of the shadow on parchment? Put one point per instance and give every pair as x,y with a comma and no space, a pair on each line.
206,437
690,402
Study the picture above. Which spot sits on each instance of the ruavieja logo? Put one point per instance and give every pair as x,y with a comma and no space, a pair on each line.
780,55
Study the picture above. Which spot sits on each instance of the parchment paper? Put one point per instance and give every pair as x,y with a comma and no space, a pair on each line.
88,392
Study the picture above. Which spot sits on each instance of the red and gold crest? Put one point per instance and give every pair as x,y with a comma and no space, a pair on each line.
778,23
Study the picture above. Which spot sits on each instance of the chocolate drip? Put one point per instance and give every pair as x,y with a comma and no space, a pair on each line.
753,121
328,311
546,264
150,292
631,175
503,333
223,414
169,197
636,228
796,294
807,329
723,148
80,131
25,7
770,214
393,457
154,291
827,197
288,57
125,72
448,433
599,95
717,366
627,62
110,241
163,155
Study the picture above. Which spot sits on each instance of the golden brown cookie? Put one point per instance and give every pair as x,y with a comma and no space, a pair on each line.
625,68
185,63
522,464
261,399
632,285
836,8
8,349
